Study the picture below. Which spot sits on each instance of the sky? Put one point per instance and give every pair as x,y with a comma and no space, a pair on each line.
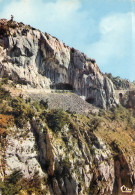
102,29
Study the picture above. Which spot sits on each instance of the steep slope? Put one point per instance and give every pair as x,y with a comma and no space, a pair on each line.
40,60
66,101
55,152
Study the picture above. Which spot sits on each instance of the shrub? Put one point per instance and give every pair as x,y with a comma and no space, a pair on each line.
14,183
10,186
4,94
123,114
4,80
44,104
32,185
41,105
94,123
36,106
15,177
21,111
56,119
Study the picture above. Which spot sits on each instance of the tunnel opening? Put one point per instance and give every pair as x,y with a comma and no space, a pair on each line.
120,95
62,86
90,100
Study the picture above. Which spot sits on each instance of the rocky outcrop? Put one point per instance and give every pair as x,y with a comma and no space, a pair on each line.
72,155
74,171
31,57
119,83
21,153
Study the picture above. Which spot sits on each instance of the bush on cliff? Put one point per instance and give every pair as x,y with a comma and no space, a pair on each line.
56,119
15,183
21,111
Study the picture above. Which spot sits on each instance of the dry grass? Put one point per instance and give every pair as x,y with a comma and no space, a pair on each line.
5,122
119,135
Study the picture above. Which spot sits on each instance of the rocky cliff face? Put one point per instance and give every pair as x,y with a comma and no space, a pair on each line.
40,60
74,171
58,152
80,156
55,152
119,83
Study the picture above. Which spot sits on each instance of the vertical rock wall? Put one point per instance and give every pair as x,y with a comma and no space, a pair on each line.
40,60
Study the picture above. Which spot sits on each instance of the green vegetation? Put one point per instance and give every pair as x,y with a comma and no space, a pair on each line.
118,82
14,183
18,108
22,111
115,127
4,95
119,114
10,184
32,185
56,119
40,106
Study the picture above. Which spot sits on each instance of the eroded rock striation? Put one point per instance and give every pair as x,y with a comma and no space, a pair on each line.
40,60
61,152
78,158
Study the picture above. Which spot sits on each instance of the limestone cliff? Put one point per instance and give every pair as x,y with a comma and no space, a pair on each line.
68,151
63,153
40,60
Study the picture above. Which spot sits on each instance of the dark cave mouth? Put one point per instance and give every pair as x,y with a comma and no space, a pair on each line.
120,95
90,100
62,86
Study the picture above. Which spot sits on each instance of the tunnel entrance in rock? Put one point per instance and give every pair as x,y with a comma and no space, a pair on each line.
90,100
63,86
120,95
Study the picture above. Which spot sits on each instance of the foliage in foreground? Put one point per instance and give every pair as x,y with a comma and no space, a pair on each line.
14,183
56,119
